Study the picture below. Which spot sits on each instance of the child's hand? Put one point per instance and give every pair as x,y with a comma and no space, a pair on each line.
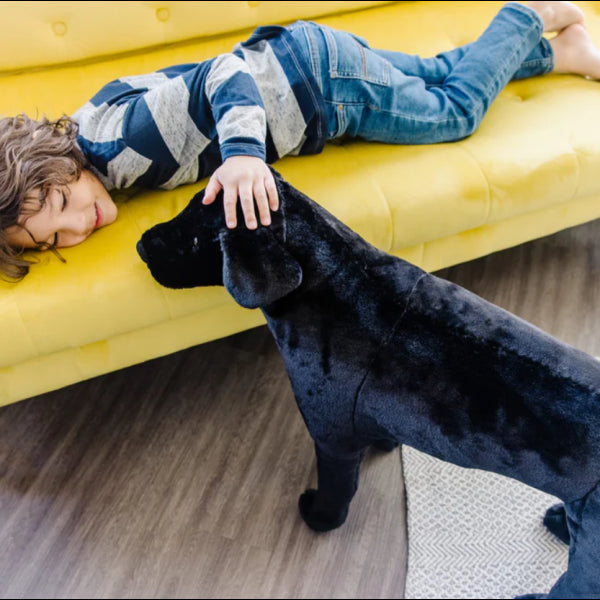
248,178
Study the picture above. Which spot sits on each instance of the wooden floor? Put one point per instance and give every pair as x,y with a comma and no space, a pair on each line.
179,477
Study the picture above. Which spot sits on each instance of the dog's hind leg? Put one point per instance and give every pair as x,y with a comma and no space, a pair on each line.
555,521
326,508
582,578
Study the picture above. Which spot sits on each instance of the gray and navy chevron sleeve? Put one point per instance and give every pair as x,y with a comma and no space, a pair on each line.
237,108
178,124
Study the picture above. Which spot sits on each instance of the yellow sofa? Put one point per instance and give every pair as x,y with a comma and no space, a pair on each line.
532,169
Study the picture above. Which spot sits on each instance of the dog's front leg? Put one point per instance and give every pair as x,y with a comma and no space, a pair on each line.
326,508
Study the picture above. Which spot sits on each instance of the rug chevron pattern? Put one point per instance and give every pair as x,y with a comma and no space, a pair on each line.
474,534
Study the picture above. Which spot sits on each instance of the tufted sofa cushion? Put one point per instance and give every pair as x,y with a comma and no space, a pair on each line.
66,31
531,169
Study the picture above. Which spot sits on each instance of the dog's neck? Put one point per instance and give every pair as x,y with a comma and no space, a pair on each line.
331,242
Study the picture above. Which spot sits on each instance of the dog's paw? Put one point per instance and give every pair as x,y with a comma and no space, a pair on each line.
319,518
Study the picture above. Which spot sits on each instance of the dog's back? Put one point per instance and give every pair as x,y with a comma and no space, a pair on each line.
464,380
377,348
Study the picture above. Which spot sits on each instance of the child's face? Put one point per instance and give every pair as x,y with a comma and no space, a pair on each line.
70,215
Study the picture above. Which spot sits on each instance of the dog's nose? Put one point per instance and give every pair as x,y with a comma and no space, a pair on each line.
142,252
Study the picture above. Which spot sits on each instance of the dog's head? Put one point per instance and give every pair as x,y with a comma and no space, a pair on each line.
196,249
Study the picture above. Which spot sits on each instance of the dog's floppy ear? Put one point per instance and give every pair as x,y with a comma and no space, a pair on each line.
257,268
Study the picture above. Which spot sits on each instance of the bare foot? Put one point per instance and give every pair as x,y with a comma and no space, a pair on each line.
557,15
574,52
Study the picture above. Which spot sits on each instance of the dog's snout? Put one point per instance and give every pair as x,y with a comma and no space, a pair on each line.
142,252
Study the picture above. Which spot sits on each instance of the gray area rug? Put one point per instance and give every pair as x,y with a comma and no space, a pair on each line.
474,534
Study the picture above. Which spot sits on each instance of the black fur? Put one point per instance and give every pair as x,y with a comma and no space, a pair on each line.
380,352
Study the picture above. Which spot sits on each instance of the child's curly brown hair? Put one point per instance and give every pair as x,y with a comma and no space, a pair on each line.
34,154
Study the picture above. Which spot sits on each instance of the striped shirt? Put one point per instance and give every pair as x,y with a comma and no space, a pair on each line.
178,124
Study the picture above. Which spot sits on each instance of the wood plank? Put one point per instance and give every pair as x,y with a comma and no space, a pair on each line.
180,478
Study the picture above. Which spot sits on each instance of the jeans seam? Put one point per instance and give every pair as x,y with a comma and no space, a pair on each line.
537,24
503,69
315,64
396,113
534,62
332,50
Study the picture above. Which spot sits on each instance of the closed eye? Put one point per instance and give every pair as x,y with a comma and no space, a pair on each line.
63,205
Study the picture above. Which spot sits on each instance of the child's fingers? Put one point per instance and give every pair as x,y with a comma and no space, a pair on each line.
229,204
247,202
211,191
262,203
271,189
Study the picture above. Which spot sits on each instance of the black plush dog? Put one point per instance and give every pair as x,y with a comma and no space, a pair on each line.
380,352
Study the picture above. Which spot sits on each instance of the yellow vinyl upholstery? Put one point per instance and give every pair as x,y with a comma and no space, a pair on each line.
533,168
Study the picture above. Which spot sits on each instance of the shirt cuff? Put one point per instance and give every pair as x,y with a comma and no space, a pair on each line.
243,149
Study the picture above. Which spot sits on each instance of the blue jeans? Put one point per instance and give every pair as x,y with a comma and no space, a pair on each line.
403,99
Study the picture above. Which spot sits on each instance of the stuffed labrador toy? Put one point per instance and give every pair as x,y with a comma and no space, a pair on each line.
379,352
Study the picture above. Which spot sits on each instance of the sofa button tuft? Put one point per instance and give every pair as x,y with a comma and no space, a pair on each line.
253,4
162,14
59,28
